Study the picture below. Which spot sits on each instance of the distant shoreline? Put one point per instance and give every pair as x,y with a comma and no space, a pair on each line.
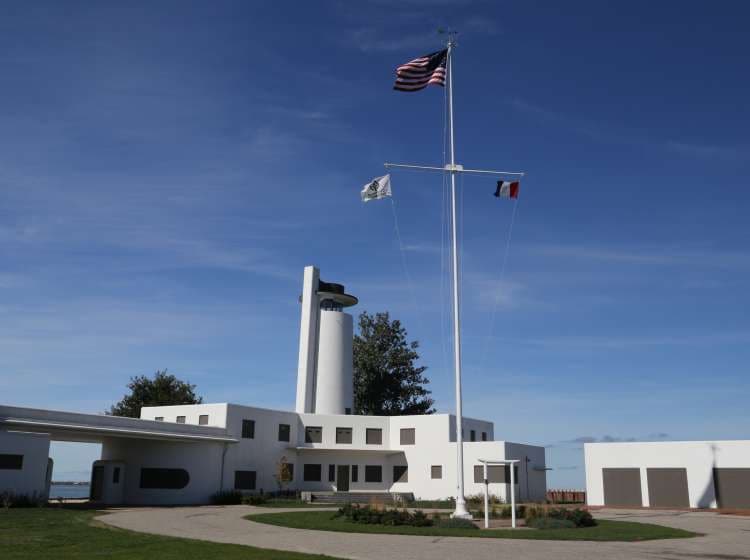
70,482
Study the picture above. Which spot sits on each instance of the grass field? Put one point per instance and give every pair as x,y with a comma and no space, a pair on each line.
52,533
605,531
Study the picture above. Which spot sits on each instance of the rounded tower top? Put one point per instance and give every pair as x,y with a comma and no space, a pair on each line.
330,291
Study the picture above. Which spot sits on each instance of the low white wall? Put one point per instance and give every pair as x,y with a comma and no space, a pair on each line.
697,457
32,477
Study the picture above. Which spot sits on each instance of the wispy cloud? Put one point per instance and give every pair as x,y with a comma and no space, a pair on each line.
616,439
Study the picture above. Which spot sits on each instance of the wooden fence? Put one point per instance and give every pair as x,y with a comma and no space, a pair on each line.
566,496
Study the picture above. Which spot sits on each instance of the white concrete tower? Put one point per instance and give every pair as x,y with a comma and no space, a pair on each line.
325,371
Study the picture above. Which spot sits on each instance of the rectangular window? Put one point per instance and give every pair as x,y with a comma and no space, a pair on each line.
284,431
331,473
248,429
407,436
436,471
495,473
347,411
244,480
11,462
473,435
170,479
180,419
159,418
313,434
373,473
355,473
311,473
484,436
203,420
343,435
116,475
374,436
400,473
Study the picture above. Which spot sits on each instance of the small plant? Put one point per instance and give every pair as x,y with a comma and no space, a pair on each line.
578,517
255,499
226,498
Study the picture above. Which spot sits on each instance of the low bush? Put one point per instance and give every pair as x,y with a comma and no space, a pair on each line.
11,500
255,499
455,523
383,516
550,523
505,513
226,498
578,517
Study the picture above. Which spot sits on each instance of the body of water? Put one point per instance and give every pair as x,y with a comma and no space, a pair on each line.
69,491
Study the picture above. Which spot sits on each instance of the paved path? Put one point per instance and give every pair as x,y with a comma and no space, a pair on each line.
727,537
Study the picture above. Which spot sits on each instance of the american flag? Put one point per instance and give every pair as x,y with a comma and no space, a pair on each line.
419,73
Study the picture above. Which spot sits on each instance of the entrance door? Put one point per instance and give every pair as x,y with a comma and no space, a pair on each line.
97,483
342,478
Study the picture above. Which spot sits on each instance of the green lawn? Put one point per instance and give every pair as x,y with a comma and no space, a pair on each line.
605,531
52,533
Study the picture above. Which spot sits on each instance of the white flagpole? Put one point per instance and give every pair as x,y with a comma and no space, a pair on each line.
461,510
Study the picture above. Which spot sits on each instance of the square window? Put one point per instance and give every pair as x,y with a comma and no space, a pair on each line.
203,420
484,436
436,471
331,473
180,419
400,473
159,418
343,435
355,473
313,434
248,429
373,473
244,480
311,473
374,436
473,435
407,436
284,431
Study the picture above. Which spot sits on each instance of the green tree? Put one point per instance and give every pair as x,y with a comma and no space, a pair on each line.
163,389
386,380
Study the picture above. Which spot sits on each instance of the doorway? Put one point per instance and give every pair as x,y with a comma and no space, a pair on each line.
97,484
342,478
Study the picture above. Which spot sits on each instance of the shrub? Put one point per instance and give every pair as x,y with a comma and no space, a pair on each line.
11,500
255,499
550,523
455,523
382,516
226,498
506,511
578,517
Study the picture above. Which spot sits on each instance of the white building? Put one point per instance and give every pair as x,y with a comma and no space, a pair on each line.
697,474
184,454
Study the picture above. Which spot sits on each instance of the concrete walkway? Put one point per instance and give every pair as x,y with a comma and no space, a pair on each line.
727,537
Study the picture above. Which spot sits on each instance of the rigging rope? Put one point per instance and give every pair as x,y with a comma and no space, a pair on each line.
405,267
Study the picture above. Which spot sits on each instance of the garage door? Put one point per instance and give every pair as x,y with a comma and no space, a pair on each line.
668,488
732,487
622,487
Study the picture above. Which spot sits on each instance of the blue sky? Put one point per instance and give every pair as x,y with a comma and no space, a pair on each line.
168,168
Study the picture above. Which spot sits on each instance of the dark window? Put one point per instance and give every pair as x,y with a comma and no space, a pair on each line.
347,411
355,473
484,436
313,434
495,473
374,436
400,473
373,473
284,431
11,462
311,473
116,475
473,435
244,480
287,474
436,471
343,435
203,420
331,473
170,479
159,418
248,429
180,419
407,436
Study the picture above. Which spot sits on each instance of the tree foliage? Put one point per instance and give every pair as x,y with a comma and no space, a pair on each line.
386,380
163,389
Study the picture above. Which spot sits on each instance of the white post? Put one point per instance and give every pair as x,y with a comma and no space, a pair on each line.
486,499
512,496
461,510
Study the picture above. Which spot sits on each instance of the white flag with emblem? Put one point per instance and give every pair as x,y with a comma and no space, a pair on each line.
378,188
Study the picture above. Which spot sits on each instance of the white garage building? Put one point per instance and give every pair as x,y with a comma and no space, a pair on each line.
184,454
696,474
